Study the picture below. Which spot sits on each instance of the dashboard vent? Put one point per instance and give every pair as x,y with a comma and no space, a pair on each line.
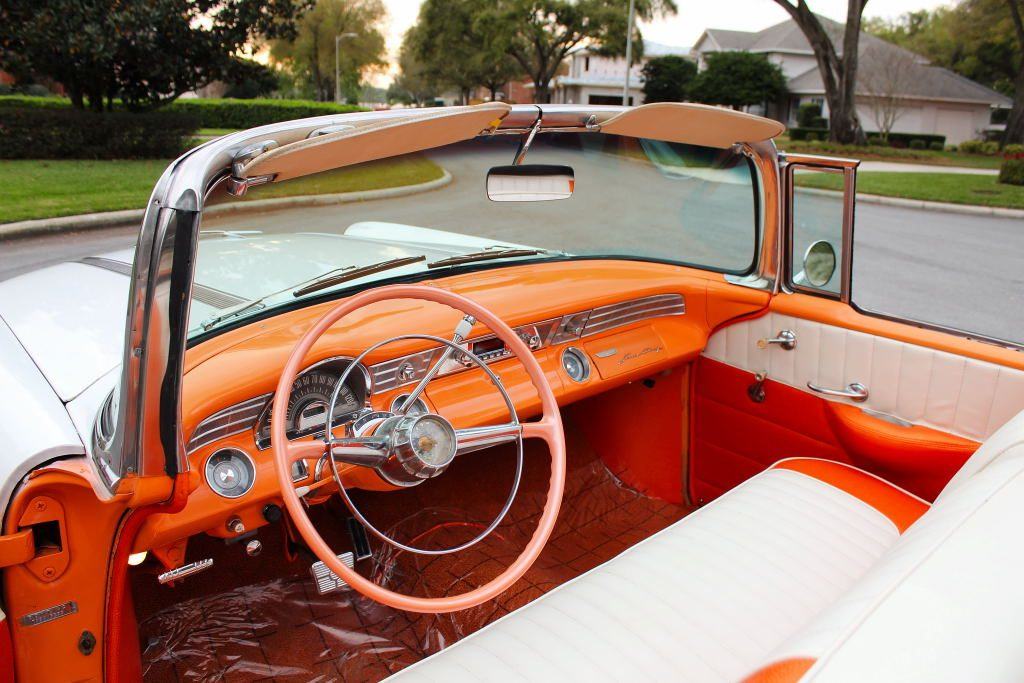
232,420
614,315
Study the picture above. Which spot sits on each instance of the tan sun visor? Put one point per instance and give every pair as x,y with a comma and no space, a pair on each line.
377,140
693,124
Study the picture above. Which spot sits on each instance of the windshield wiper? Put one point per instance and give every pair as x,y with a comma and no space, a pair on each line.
323,281
485,255
354,273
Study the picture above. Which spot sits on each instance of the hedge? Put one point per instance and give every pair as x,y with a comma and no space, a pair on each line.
215,113
898,140
1012,171
43,132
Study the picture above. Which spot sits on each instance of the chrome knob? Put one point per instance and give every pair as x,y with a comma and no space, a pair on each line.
253,548
236,526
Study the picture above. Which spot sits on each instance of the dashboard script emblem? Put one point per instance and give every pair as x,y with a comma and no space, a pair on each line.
628,356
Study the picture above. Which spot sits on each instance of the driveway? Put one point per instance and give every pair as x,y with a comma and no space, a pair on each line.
961,271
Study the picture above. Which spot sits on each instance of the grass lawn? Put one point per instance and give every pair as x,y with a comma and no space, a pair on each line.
51,188
956,188
215,132
909,156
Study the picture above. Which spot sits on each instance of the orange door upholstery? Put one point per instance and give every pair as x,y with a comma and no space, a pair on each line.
932,397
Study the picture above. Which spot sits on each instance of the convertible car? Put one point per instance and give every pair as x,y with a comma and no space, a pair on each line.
501,393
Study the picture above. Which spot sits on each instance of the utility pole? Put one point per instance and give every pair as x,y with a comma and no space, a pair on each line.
629,53
337,64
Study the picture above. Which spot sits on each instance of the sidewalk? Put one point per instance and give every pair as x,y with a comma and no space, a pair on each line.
895,167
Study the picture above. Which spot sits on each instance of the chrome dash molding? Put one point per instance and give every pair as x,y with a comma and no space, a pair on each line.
398,372
232,420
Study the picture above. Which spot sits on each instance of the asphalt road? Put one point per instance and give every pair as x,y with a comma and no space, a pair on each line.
958,270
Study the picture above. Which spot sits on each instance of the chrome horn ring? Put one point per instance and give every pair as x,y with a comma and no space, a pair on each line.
408,449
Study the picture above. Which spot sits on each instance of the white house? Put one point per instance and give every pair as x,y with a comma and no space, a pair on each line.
895,88
595,79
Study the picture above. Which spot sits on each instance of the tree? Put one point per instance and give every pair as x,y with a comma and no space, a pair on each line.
838,73
456,50
310,52
538,34
1015,124
738,79
886,77
979,39
411,85
145,52
247,79
668,78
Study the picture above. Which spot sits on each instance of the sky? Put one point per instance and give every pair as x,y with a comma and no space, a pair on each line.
683,29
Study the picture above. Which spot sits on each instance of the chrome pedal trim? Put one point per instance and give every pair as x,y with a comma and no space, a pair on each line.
185,570
326,580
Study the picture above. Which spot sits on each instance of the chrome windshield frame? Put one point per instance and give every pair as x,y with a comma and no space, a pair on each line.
147,438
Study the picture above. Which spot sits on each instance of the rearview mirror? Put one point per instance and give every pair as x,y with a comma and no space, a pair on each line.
530,183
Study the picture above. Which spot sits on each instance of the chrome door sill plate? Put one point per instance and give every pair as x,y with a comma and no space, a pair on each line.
326,580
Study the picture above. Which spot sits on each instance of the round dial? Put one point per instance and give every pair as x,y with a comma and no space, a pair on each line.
230,473
575,364
310,398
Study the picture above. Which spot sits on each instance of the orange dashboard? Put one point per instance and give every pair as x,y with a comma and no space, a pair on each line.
625,319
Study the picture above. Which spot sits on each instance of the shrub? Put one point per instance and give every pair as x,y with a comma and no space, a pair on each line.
1013,150
936,146
808,115
65,133
1012,171
905,139
877,141
215,113
228,113
971,146
918,144
990,148
799,133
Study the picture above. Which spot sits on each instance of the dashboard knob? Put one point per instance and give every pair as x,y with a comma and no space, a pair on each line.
253,548
236,526
271,513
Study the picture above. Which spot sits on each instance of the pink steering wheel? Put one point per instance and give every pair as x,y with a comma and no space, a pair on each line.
548,428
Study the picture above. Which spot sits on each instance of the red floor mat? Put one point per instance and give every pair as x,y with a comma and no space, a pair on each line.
280,629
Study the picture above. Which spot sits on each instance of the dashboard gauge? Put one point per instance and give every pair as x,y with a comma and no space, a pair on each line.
311,396
576,364
230,473
418,408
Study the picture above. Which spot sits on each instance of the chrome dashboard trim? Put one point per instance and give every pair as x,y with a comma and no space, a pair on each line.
570,327
232,420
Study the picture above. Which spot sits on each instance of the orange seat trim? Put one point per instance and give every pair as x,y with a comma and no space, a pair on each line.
901,507
782,671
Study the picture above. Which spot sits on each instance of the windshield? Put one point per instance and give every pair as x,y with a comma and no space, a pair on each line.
428,213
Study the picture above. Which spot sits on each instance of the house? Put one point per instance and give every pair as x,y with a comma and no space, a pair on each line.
593,78
897,90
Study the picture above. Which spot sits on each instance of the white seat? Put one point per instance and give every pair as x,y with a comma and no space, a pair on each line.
799,573
706,599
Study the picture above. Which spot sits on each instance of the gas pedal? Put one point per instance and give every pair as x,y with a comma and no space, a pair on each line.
326,580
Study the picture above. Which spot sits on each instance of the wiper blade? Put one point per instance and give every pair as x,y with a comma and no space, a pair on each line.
317,283
355,273
486,255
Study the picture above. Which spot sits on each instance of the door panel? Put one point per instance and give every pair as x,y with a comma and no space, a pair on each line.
931,397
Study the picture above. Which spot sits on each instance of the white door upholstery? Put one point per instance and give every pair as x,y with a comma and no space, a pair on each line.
704,600
949,393
790,576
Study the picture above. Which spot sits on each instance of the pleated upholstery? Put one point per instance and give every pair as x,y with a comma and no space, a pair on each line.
704,600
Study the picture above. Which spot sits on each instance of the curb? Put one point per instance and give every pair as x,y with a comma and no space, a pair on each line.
965,209
108,219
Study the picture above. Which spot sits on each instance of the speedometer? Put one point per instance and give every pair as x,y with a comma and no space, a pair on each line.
311,396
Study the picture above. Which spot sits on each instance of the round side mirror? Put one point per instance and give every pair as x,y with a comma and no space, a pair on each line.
819,263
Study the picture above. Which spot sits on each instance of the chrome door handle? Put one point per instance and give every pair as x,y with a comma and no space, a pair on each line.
785,339
854,391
